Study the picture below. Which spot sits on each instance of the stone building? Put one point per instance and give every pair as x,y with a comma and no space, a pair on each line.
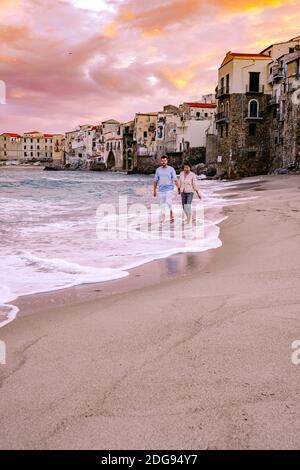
107,146
183,128
284,76
167,124
243,119
144,142
128,145
58,149
113,144
69,152
199,110
258,117
11,147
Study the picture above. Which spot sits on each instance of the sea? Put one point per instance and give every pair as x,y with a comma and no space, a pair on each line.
67,228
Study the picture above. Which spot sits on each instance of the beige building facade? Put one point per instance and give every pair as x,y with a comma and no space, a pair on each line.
37,147
58,149
11,147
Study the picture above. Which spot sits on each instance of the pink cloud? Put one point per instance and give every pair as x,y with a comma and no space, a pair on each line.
64,66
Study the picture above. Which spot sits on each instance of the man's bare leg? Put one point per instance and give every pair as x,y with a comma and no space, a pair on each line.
172,218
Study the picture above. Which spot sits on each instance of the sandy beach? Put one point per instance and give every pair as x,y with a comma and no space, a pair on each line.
196,361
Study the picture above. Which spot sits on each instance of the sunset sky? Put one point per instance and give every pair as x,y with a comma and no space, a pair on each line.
71,62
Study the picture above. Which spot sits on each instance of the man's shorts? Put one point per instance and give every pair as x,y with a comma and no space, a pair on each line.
166,198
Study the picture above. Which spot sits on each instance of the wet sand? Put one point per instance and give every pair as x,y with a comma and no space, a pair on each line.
191,361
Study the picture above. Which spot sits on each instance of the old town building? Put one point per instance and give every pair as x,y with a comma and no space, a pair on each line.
258,117
144,142
37,147
284,76
243,119
128,145
11,147
58,153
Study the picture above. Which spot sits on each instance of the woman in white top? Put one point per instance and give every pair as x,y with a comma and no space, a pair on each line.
188,185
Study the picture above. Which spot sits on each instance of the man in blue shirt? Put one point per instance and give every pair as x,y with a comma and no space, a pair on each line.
165,179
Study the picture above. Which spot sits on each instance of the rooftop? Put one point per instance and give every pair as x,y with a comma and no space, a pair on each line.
297,38
202,105
11,134
243,56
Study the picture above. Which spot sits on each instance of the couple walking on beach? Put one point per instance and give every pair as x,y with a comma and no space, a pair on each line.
165,179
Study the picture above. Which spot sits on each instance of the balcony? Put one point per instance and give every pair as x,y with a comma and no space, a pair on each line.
255,117
222,92
255,90
277,73
222,117
274,101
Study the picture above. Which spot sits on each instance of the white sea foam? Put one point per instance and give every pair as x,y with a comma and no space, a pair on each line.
49,237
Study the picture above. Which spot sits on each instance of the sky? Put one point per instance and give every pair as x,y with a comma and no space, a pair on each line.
71,62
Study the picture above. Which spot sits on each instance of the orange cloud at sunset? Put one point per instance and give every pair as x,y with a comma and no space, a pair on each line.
66,64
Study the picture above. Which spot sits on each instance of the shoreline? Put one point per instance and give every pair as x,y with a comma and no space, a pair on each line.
167,268
201,361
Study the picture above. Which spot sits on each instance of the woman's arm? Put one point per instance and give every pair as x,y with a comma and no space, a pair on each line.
195,186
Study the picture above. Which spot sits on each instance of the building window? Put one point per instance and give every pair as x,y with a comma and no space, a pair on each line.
107,146
221,132
227,130
31,146
160,132
222,86
227,109
252,129
252,155
254,82
145,135
227,83
198,115
253,109
31,154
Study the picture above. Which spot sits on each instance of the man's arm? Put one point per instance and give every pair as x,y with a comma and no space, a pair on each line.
176,181
155,183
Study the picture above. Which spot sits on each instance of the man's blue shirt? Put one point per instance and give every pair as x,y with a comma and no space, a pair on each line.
165,177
